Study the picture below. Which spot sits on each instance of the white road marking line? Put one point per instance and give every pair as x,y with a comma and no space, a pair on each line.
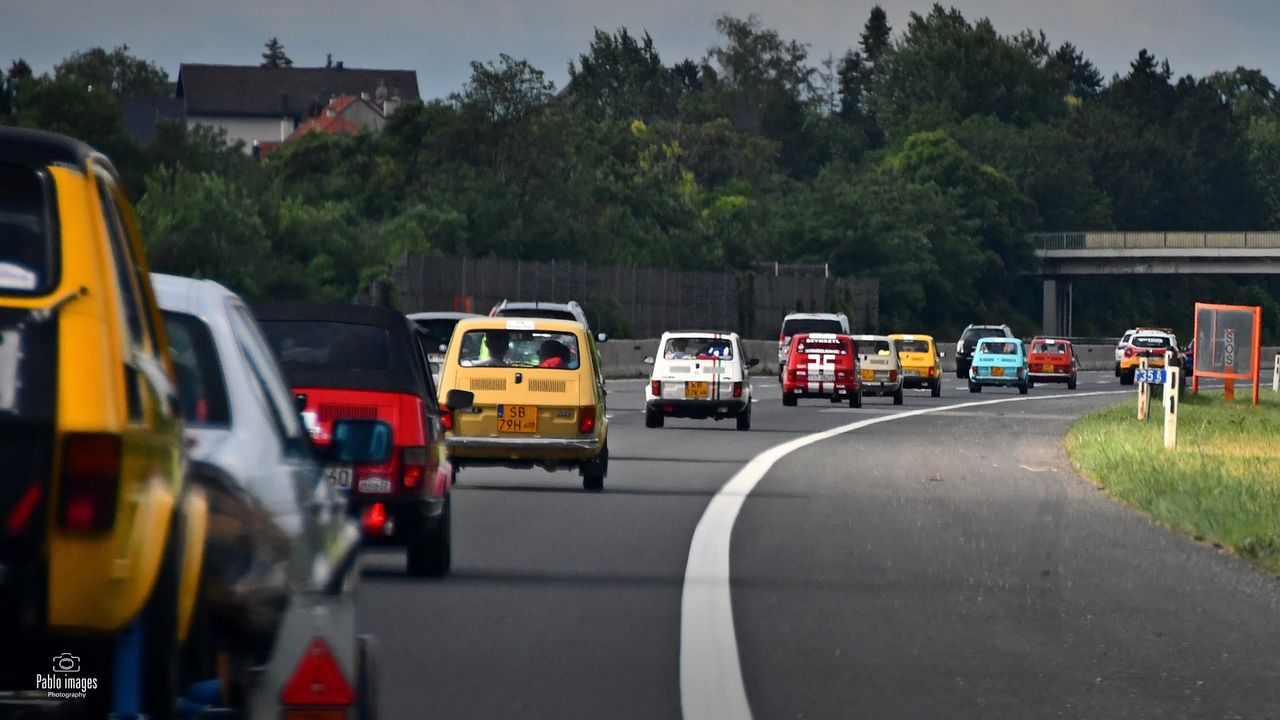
711,686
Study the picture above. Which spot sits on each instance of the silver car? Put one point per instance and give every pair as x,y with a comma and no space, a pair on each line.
279,580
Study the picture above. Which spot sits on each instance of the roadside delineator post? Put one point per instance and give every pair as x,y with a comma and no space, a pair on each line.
1172,382
1275,375
1144,391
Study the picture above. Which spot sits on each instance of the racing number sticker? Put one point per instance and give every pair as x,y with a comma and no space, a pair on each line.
822,369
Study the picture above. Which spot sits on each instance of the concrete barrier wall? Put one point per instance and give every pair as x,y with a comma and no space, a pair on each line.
625,358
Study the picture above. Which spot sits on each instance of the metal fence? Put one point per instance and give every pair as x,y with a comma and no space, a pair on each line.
640,302
1265,240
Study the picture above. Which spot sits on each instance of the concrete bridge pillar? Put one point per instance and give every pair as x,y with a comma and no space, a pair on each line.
1057,306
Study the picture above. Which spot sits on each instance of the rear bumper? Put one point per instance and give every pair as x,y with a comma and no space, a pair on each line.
523,452
880,388
404,513
1052,377
993,380
921,381
803,391
698,409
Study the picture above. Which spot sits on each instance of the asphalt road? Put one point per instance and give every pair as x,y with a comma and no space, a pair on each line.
947,564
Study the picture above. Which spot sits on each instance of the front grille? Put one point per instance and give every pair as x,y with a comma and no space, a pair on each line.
490,383
329,413
552,386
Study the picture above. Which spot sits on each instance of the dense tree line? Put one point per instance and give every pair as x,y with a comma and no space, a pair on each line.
921,158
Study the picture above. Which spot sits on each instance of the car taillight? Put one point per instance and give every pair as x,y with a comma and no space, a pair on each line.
90,482
413,466
893,376
317,681
587,419
737,389
933,371
1128,352
446,417
655,388
791,376
374,519
960,346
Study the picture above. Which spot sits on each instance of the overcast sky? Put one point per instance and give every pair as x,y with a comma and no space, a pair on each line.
438,38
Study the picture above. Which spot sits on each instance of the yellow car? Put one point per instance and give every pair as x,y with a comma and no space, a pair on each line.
921,364
101,542
533,396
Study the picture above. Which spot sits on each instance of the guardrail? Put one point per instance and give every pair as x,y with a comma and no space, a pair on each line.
1265,240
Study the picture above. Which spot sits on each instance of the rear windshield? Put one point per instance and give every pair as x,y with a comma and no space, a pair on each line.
980,332
1050,348
520,349
704,348
1151,341
28,264
872,347
321,345
201,387
438,332
811,325
823,346
536,313
915,346
999,348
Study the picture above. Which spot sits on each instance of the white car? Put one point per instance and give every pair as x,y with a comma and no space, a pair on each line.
1124,340
439,329
798,322
700,375
881,368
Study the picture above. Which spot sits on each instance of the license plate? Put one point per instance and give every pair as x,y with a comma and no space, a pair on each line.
1046,367
822,378
374,485
997,371
338,476
911,373
697,390
868,374
518,418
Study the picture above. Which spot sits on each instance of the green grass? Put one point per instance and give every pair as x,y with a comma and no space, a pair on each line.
1222,483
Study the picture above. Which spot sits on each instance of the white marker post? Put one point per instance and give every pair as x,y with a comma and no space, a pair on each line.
1275,375
1144,391
1171,385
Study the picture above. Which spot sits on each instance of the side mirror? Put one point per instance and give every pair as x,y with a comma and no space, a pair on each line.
360,441
649,360
602,337
459,399
753,362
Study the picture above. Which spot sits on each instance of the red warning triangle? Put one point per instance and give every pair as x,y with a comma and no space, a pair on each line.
317,680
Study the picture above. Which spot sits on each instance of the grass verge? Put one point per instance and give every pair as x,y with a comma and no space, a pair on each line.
1222,483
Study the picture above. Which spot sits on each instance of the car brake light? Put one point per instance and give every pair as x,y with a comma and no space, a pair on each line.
655,388
587,419
893,376
317,681
933,371
90,482
24,509
413,466
1128,352
374,519
791,376
446,417
737,389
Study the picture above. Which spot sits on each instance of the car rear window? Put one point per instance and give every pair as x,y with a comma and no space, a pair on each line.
974,333
438,331
28,248
811,325
872,347
915,346
681,348
201,387
1050,348
322,345
519,349
1151,341
999,348
823,346
536,313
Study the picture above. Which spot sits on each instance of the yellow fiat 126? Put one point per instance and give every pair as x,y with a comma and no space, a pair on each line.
525,392
921,362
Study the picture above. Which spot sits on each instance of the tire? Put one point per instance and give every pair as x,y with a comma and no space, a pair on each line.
974,387
653,418
897,397
744,419
1024,388
366,679
595,470
1071,384
1126,377
855,400
1031,383
160,650
1117,368
835,399
936,390
961,371
789,400
431,553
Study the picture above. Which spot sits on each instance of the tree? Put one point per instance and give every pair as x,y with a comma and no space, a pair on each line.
1247,91
274,57
857,73
1264,157
506,91
1079,77
117,72
622,78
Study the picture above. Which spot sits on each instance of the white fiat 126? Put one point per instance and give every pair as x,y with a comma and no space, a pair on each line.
699,374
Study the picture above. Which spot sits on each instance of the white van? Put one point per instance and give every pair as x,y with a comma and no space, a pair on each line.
799,322
699,374
881,368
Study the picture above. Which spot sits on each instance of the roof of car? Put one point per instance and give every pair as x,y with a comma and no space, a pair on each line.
39,148
1049,339
699,333
333,312
186,294
870,337
813,316
1000,338
910,336
442,315
521,323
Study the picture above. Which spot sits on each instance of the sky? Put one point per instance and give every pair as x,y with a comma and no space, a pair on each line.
439,38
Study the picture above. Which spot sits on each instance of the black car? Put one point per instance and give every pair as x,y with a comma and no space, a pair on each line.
969,340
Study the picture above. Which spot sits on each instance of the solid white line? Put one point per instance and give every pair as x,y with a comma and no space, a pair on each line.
711,686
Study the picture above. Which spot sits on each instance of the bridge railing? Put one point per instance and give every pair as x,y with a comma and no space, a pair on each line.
1268,239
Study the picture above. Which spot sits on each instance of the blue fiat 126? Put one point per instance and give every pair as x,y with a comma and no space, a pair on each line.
999,361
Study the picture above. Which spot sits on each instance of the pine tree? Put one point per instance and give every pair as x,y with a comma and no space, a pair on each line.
274,57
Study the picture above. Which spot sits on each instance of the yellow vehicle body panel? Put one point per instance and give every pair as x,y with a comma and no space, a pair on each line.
921,362
1132,363
99,582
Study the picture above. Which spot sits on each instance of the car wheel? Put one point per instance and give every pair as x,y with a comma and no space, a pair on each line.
855,400
1071,383
653,418
961,371
1126,377
897,397
788,400
160,656
1024,387
744,418
936,390
594,470
430,553
1117,369
974,387
366,679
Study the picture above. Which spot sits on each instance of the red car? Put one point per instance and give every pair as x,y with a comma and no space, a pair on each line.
1052,360
370,363
821,365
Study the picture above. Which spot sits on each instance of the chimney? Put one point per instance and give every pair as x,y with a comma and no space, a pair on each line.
328,61
338,65
390,105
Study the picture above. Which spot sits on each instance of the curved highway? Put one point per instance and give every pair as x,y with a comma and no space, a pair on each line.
946,564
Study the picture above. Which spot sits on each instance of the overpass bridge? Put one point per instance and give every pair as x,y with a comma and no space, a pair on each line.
1067,255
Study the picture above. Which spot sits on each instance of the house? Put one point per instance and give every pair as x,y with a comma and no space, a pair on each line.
143,114
267,105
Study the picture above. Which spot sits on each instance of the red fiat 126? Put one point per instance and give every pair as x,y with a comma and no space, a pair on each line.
822,365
